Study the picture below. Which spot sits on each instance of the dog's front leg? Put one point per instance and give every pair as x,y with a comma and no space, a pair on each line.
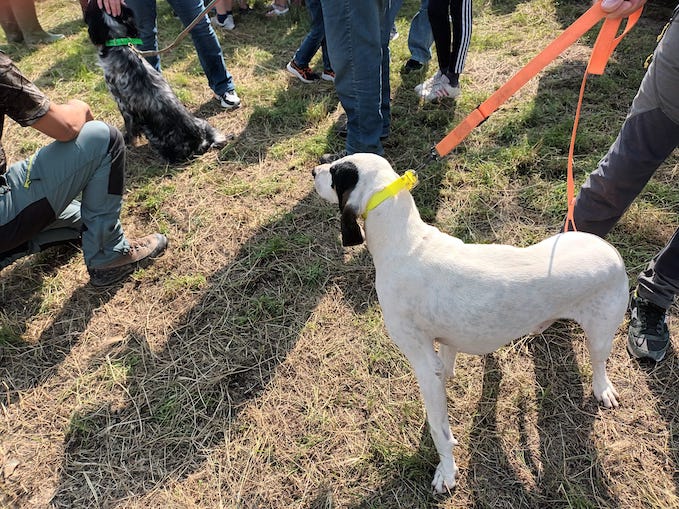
431,376
132,130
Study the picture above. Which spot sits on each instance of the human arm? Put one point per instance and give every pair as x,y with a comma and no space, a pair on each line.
111,6
621,8
64,121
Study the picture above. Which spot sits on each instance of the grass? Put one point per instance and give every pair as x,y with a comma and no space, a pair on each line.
249,367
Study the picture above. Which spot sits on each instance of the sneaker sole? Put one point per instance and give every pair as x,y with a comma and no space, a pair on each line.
227,105
298,75
637,354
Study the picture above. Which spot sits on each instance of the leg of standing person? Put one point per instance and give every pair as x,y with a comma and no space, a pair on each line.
461,16
145,15
648,136
420,39
355,32
209,51
314,39
224,17
451,47
26,19
9,23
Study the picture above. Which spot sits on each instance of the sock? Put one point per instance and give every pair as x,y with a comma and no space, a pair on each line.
454,78
222,17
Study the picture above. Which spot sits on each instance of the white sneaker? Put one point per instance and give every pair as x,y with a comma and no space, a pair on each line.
441,89
229,100
228,23
428,83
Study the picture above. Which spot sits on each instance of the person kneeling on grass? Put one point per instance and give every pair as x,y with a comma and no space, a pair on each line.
37,196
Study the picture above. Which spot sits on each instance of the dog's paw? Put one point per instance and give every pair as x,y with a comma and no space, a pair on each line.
444,478
607,394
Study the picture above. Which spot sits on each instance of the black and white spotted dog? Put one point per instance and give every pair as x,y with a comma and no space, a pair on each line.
144,98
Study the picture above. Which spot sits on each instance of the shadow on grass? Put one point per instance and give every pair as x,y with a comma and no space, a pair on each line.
178,404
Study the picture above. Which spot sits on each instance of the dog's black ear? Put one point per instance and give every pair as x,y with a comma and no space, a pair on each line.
352,235
96,28
344,180
127,19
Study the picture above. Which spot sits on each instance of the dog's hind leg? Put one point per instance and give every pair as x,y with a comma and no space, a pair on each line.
447,355
430,373
600,332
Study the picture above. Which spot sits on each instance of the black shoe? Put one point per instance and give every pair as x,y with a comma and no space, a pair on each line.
141,252
648,336
412,65
331,158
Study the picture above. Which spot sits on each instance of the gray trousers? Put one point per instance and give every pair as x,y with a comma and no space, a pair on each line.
648,136
38,205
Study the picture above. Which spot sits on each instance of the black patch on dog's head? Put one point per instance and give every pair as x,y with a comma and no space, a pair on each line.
344,179
102,30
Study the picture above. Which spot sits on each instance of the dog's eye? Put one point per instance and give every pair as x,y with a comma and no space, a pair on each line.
332,185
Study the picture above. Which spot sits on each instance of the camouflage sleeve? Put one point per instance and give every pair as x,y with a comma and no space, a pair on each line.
20,99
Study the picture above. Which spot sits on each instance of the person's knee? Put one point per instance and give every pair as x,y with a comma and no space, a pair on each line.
100,137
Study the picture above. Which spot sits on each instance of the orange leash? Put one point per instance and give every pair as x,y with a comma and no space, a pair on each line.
605,43
604,46
585,22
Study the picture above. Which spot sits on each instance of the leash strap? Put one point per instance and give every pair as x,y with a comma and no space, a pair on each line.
605,44
583,24
181,36
406,181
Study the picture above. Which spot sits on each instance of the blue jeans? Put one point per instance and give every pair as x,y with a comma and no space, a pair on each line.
38,206
420,37
204,39
357,33
315,39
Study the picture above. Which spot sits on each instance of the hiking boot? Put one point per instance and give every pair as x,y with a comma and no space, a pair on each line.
412,65
328,75
229,100
648,336
331,158
441,89
305,74
142,252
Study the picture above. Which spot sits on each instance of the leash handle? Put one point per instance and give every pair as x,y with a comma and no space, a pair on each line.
585,22
184,33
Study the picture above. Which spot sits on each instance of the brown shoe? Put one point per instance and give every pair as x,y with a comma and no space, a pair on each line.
142,251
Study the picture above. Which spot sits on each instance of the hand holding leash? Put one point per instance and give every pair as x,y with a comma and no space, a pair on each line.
621,8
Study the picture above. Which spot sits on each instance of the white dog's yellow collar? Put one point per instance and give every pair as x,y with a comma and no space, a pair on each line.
406,181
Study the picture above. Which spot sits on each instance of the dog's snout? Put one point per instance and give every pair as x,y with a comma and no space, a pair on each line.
313,172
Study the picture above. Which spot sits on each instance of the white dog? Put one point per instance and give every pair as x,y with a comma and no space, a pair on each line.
470,298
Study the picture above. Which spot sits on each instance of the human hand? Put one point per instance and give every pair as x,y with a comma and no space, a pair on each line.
111,6
82,107
621,8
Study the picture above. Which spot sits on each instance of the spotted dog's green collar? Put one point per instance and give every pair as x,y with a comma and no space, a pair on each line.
126,41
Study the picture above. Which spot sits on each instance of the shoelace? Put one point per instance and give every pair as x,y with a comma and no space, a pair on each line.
652,319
